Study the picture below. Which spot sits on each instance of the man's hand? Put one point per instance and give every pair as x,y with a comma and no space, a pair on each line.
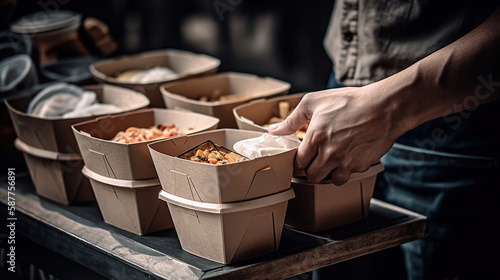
348,131
352,128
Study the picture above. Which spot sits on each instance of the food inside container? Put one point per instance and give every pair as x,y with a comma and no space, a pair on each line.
212,153
284,112
144,76
136,134
128,159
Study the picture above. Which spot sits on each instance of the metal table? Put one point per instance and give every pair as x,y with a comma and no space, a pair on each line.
79,233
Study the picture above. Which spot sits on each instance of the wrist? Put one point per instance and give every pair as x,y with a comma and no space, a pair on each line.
398,96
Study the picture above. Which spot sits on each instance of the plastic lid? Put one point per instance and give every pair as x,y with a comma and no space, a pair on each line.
23,147
13,70
43,21
223,208
118,182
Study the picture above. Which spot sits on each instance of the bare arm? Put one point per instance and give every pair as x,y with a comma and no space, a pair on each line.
457,77
351,128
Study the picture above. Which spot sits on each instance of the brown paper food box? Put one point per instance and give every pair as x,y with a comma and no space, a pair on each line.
229,232
238,87
131,205
56,176
324,206
186,64
253,115
130,161
56,134
219,183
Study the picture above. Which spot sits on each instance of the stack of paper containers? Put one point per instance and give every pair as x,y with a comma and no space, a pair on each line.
224,213
122,175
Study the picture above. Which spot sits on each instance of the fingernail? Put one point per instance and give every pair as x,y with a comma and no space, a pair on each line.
274,126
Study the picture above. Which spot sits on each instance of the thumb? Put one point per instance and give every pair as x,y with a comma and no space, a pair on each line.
291,124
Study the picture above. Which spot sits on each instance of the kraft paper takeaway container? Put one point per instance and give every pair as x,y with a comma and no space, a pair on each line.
255,114
56,134
229,232
130,161
56,176
218,94
184,64
324,205
131,205
219,183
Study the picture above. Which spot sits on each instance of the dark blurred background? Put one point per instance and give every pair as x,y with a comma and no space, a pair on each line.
280,39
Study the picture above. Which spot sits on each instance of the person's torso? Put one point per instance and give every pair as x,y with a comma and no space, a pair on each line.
371,40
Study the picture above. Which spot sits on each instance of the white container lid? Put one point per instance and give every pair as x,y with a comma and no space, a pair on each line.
224,208
133,184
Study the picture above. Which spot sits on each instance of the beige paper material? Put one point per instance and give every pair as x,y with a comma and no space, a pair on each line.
130,205
324,206
253,115
219,183
240,87
266,145
56,176
185,64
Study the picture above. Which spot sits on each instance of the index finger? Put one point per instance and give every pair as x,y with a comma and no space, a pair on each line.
297,119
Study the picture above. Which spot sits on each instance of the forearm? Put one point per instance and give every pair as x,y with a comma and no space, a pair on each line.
457,77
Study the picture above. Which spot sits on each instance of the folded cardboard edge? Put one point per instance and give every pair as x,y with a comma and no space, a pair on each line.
244,98
46,154
156,146
263,178
93,87
213,64
120,183
223,208
236,110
